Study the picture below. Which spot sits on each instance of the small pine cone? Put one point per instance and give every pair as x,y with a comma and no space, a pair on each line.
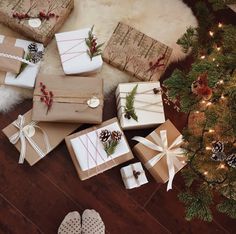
231,160
34,58
218,146
40,54
104,135
33,48
116,136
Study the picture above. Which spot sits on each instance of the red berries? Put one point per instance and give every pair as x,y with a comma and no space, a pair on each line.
46,97
42,15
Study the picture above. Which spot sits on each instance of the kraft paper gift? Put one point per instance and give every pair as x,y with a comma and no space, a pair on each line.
73,52
43,19
34,140
75,99
27,77
133,175
88,154
161,154
136,53
148,105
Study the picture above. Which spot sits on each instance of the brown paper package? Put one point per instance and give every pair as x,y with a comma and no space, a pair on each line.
46,30
70,96
83,175
56,133
136,53
160,170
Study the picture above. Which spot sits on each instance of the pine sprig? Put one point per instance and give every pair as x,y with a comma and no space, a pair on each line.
129,106
110,147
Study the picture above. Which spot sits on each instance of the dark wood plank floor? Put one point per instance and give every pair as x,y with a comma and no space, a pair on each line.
36,199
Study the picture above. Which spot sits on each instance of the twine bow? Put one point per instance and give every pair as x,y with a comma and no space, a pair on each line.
23,136
161,145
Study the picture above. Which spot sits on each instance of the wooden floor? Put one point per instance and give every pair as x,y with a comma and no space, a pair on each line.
36,199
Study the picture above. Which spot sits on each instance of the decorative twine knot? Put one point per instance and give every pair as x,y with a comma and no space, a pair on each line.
136,174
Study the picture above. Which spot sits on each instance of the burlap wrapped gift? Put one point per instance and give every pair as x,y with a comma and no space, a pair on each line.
75,99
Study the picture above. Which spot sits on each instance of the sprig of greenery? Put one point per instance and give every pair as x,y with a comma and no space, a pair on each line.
110,147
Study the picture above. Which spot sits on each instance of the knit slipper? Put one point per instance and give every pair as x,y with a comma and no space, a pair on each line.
92,223
71,224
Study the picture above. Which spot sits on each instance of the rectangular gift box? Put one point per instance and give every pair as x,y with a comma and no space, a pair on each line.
160,169
88,154
26,78
133,175
43,19
75,99
148,105
136,53
55,132
72,48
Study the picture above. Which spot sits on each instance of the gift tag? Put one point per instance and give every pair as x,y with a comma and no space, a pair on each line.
29,130
34,23
93,102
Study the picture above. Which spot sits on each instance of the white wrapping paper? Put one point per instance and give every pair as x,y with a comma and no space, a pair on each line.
72,49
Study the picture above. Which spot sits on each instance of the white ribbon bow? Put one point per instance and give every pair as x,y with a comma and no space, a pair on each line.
23,136
162,147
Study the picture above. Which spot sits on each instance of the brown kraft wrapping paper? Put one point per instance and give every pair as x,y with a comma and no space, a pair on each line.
160,170
136,53
83,175
56,133
44,31
70,96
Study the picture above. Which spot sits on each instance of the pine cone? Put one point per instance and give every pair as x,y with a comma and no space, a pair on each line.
231,160
35,57
218,146
33,48
104,135
116,136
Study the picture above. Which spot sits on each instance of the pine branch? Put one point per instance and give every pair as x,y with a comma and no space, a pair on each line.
129,106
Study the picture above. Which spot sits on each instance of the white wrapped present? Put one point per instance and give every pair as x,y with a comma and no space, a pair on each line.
73,50
26,78
147,105
133,175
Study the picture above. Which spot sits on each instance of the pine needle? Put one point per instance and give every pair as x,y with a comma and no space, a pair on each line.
129,106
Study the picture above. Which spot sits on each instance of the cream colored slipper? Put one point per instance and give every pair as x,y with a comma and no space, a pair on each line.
92,223
71,224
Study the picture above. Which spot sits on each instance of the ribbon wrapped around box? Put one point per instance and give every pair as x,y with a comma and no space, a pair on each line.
148,105
38,20
161,154
136,53
35,140
74,99
11,61
88,154
133,175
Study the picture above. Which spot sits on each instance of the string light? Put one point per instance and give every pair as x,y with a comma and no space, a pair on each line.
222,166
197,112
220,25
208,148
205,172
208,104
203,102
218,65
211,130
221,82
211,33
222,96
203,57
218,48
213,59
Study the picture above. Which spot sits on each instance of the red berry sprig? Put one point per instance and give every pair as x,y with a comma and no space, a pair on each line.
46,97
20,16
46,16
42,15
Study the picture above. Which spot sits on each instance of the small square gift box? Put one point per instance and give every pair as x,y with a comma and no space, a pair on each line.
136,53
19,61
68,99
38,20
139,105
133,175
97,149
79,51
161,154
35,140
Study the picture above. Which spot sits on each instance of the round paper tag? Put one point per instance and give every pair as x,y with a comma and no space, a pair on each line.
29,130
93,102
34,23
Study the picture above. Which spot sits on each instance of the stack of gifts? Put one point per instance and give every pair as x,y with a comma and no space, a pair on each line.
62,103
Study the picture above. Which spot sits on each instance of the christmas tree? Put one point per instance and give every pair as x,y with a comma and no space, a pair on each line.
208,93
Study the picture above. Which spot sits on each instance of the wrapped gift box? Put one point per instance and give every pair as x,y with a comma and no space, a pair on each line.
88,154
73,52
160,152
75,99
27,77
43,18
136,53
35,140
148,105
133,175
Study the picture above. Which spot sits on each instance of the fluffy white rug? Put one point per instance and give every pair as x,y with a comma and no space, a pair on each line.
164,20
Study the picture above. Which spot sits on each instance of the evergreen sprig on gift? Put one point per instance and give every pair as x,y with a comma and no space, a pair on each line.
210,138
94,49
129,105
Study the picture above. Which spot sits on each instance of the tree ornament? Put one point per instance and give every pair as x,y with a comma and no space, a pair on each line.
104,135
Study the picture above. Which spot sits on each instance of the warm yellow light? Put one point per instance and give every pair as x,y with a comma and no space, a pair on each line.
218,65
213,59
221,82
218,48
211,33
208,104
222,96
197,112
220,25
211,130
222,166
203,57
203,102
208,148
205,172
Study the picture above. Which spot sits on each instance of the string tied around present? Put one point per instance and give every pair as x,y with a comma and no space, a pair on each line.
23,136
9,56
171,152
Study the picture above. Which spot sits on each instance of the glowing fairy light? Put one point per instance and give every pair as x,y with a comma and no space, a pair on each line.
211,33
209,104
208,148
211,130
205,172
220,25
203,57
218,48
214,59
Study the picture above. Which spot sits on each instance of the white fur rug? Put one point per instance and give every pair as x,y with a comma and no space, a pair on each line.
164,20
